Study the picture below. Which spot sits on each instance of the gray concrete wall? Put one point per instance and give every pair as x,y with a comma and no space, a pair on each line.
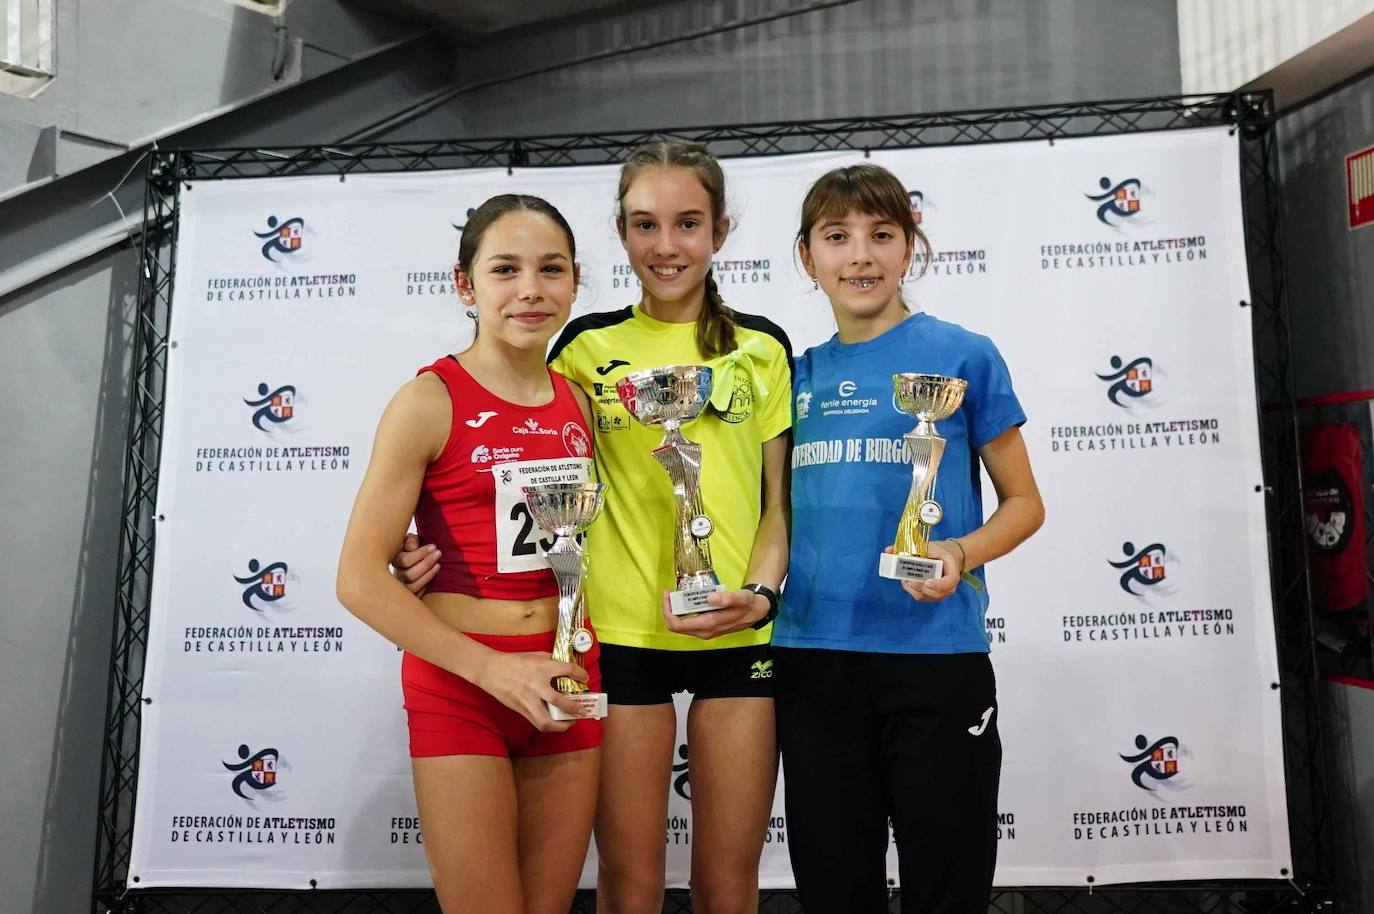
64,355
1330,267
869,58
134,69
64,359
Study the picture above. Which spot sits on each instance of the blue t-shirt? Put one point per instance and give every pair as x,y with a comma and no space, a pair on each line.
850,478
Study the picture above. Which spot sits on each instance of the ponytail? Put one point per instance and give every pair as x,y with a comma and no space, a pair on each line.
716,323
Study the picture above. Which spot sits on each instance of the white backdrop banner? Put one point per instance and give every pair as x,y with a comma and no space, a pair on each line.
1132,637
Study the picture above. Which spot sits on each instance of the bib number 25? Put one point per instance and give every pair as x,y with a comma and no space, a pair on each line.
520,542
525,543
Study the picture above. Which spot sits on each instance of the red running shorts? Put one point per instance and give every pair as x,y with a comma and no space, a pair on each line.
448,715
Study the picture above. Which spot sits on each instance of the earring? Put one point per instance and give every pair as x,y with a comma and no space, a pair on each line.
815,283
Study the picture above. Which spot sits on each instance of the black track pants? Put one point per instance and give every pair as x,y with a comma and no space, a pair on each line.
870,737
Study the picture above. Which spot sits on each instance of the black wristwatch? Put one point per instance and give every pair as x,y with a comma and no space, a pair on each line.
769,594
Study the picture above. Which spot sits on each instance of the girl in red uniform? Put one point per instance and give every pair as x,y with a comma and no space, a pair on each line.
506,794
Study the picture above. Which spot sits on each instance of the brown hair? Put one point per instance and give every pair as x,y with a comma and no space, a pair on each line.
866,188
481,219
715,332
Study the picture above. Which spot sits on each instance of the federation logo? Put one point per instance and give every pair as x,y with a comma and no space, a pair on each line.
265,585
682,775
256,771
918,202
1144,567
575,440
1121,200
1157,761
282,237
1133,381
275,407
804,404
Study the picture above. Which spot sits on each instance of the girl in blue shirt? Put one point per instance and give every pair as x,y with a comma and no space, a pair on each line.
886,702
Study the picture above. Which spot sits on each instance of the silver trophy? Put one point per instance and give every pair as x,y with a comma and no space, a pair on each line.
565,509
668,397
928,398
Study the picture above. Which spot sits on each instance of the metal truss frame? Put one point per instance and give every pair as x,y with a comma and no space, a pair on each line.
1250,113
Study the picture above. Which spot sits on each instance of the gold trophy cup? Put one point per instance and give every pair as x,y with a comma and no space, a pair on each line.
928,398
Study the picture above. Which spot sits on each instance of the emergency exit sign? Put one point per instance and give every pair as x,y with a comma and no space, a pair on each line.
1359,184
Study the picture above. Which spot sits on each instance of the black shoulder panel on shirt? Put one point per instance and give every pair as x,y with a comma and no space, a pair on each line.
764,325
598,320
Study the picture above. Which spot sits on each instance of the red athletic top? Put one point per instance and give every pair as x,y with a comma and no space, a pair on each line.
471,505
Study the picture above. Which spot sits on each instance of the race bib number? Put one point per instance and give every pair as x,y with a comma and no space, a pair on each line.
520,542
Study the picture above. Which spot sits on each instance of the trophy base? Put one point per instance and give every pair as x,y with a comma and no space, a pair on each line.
593,701
689,602
909,567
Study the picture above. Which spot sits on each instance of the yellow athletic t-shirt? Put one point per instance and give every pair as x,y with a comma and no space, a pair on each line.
630,547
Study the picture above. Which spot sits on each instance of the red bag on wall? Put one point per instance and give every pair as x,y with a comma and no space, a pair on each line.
1333,502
